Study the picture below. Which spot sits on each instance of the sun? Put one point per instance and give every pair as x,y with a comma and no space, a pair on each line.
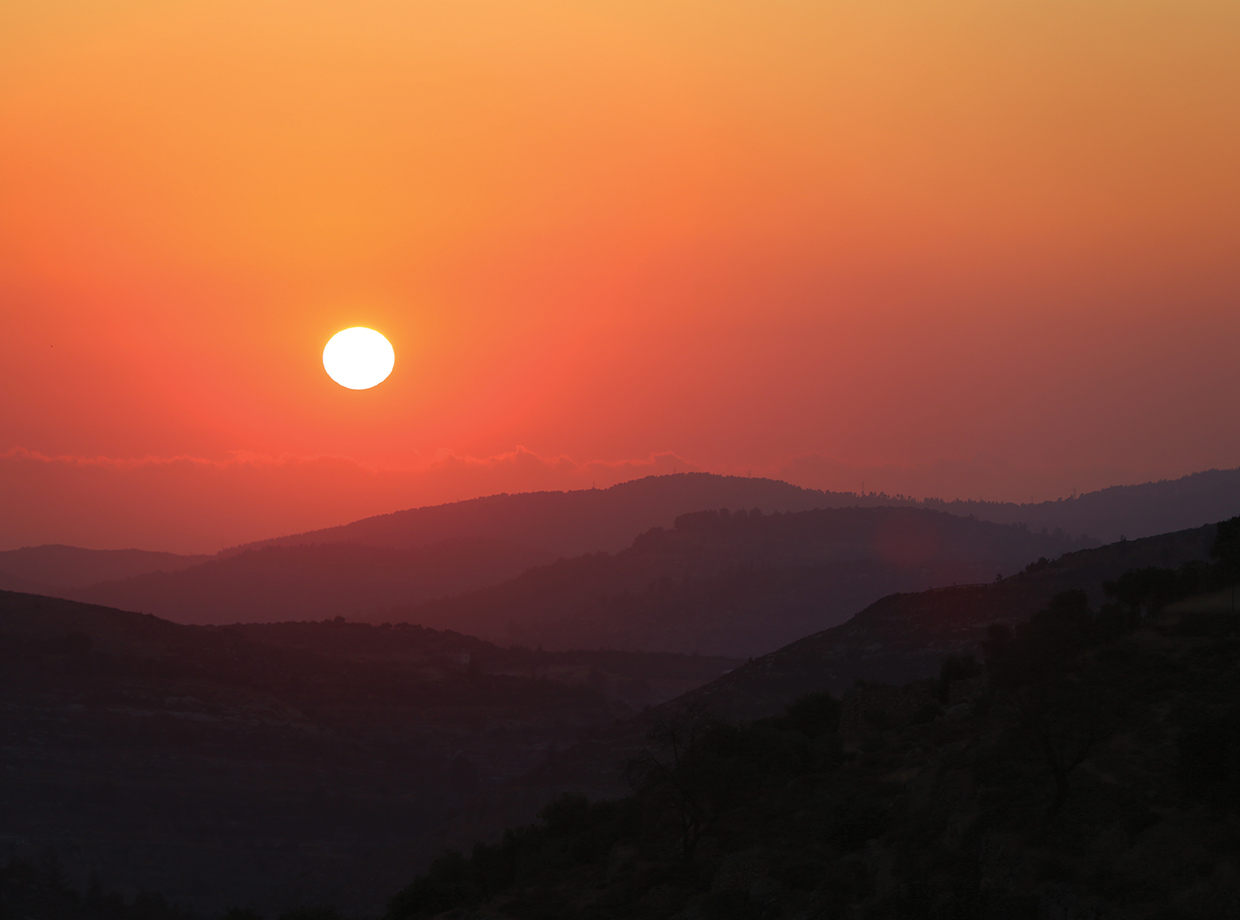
358,358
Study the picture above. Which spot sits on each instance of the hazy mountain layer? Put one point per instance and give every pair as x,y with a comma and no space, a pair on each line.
593,520
66,567
570,523
737,584
897,639
1122,511
315,582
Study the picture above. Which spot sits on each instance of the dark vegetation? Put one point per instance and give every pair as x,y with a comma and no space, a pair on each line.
634,678
39,890
308,762
220,768
1088,765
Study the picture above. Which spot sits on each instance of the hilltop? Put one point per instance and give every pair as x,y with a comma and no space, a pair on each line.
276,764
315,581
896,639
538,527
740,583
607,520
54,567
1083,765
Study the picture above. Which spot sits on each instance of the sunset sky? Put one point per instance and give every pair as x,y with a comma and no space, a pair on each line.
965,248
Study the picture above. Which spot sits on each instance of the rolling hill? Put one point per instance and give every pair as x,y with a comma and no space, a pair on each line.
737,584
273,765
568,523
313,582
1087,768
897,639
556,524
59,568
607,520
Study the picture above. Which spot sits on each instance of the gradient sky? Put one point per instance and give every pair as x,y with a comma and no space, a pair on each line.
960,248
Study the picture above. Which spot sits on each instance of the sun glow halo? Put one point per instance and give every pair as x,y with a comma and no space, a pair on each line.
358,358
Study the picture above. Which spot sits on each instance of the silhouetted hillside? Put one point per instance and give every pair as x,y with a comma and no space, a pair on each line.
570,523
737,584
219,770
1091,769
1122,511
594,520
629,680
315,582
14,583
67,567
896,639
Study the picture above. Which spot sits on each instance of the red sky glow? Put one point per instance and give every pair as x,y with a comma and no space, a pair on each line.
964,249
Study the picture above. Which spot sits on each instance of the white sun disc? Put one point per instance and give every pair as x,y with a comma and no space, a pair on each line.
358,358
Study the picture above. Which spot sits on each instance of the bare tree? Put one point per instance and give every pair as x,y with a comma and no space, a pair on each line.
1065,721
675,777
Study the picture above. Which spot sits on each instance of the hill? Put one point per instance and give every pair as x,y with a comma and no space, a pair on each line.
556,524
569,523
737,584
1113,513
607,520
1088,769
312,582
1087,772
899,638
61,568
277,764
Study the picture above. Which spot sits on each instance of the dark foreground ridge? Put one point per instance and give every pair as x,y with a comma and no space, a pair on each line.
899,638
279,764
1085,764
1088,768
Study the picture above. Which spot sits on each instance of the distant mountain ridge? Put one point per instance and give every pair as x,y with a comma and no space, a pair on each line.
570,524
737,584
1116,512
593,520
316,581
61,567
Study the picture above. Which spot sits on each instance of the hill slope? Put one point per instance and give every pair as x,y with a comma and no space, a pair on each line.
220,770
314,582
62,568
569,523
899,638
1091,771
737,584
594,520
1132,511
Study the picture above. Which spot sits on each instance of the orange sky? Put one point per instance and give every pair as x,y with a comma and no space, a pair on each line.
959,248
